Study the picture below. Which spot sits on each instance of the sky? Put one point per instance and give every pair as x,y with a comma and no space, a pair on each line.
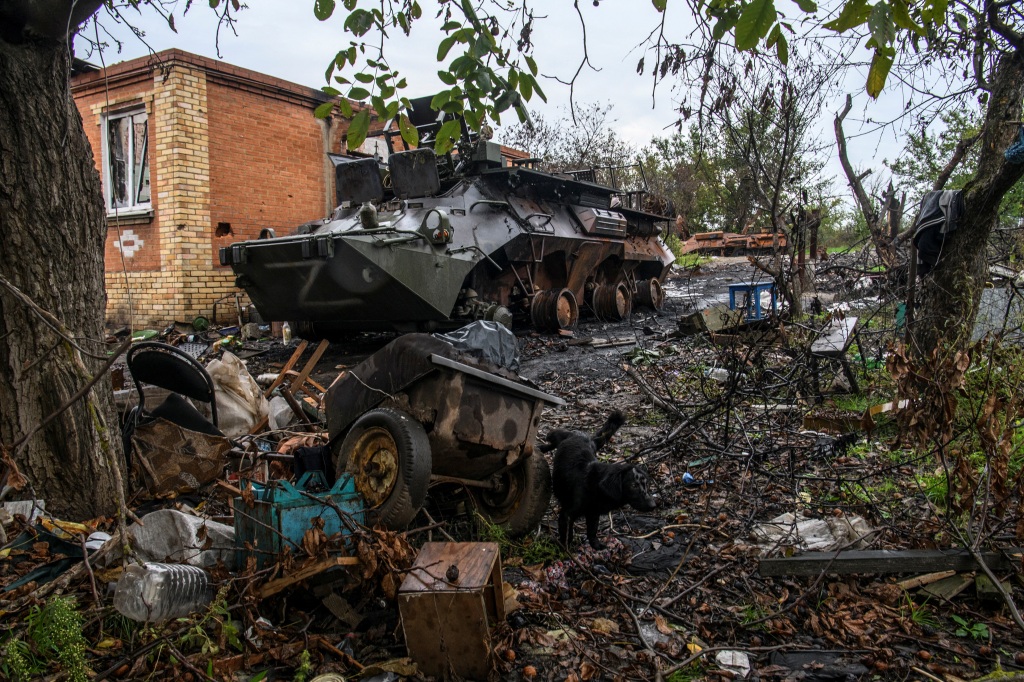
284,39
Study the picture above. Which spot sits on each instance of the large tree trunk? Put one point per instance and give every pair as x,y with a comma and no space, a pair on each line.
950,294
52,226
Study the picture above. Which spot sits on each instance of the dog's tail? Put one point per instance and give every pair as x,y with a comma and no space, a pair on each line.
615,420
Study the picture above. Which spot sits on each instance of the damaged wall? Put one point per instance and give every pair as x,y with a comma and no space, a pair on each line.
230,151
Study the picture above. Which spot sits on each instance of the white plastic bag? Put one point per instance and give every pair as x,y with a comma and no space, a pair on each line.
240,402
170,535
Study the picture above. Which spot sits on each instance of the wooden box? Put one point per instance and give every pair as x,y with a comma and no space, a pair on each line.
447,623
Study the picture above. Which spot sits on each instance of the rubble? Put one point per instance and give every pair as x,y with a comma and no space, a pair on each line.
677,591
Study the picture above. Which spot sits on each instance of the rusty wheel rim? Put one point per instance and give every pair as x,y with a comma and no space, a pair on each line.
373,464
564,311
503,499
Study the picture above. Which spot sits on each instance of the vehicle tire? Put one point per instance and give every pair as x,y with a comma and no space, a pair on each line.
521,501
388,455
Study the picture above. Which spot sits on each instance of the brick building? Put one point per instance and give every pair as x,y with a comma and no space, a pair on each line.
195,154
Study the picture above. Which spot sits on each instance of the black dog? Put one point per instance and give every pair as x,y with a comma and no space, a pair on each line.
586,487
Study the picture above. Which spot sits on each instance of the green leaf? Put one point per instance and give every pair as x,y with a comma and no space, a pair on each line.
532,64
346,107
358,129
391,111
883,30
380,106
855,13
358,93
350,4
323,9
324,110
447,136
440,99
540,93
328,90
447,77
659,4
451,26
526,86
879,71
359,22
725,23
467,9
755,21
807,5
387,92
364,78
444,46
782,49
410,135
258,677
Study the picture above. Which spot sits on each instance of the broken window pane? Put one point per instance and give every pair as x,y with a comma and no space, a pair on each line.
127,160
117,142
141,165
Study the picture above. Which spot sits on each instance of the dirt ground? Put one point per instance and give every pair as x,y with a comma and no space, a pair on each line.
722,430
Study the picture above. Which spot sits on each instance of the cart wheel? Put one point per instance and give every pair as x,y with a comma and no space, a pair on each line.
388,455
521,498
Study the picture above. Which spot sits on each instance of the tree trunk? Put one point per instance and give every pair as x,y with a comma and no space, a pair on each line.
53,226
950,294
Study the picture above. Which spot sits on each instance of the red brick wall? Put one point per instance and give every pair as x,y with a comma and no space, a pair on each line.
91,105
267,164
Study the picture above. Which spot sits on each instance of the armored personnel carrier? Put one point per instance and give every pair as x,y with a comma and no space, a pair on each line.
421,242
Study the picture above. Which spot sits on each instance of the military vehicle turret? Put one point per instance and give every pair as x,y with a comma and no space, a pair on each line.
422,242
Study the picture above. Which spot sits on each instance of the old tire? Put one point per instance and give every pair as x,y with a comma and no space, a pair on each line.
388,455
521,499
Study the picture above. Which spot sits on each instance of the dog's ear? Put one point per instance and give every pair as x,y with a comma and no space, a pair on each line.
610,484
554,439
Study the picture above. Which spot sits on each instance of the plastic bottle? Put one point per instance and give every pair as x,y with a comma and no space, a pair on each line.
157,592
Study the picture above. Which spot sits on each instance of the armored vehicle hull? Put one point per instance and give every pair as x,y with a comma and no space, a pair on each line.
415,246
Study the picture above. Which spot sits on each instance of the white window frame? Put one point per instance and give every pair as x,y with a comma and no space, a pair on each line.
133,207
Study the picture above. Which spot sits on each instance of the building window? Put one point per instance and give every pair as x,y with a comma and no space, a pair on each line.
126,161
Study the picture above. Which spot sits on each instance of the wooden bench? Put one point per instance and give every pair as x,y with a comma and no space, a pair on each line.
832,344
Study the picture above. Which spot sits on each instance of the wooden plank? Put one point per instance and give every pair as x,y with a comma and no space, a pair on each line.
883,561
835,339
474,561
262,423
275,586
308,367
921,580
948,588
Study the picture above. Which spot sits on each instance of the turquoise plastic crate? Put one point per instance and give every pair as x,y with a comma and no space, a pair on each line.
284,512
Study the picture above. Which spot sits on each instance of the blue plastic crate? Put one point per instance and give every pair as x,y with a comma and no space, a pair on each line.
284,512
756,299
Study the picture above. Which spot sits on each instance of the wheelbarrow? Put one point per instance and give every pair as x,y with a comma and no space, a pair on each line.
419,411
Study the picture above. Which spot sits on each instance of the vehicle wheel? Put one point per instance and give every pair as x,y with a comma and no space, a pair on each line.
612,302
521,499
649,293
388,455
554,309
